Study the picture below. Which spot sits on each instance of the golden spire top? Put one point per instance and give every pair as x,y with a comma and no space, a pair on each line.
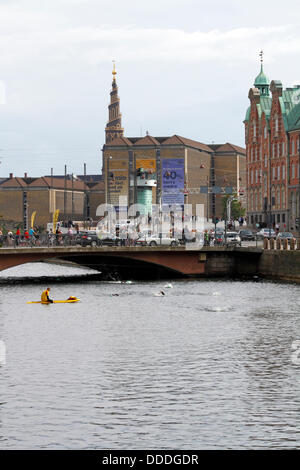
114,73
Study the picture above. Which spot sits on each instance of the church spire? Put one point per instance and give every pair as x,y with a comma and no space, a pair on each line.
114,127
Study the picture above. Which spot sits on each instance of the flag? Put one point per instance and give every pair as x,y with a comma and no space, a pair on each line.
55,219
32,218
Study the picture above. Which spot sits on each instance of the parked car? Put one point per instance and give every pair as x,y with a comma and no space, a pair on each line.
156,240
285,236
246,235
87,239
233,238
266,233
91,238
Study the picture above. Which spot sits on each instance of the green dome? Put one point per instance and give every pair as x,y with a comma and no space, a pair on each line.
261,79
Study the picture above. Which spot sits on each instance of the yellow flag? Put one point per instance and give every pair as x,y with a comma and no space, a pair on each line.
55,219
32,218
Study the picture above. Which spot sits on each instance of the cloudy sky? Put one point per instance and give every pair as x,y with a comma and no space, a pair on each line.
184,67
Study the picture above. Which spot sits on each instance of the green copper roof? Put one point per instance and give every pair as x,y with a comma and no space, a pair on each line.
261,78
248,113
264,106
289,102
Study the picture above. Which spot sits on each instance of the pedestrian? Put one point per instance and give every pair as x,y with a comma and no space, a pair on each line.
70,234
32,235
10,238
58,235
206,238
18,234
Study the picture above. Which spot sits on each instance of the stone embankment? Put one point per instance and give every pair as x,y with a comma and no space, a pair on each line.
280,260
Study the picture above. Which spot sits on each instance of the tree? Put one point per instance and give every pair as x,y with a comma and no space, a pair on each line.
236,207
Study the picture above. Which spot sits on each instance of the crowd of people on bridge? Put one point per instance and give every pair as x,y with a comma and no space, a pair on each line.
20,237
123,232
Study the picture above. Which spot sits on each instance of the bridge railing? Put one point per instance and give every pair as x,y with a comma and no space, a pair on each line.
41,240
61,240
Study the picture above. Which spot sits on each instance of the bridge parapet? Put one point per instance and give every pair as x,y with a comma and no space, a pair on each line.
207,261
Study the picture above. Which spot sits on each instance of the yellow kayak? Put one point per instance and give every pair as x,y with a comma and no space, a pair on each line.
69,301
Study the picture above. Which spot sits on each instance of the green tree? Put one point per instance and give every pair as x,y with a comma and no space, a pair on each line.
236,207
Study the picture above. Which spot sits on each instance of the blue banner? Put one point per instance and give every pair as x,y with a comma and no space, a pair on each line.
173,181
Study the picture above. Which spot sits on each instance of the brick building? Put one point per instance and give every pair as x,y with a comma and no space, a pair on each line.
168,170
272,127
20,197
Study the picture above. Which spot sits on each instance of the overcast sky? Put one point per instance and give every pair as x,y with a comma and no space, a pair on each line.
183,67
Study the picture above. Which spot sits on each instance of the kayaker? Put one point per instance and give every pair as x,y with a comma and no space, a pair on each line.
45,296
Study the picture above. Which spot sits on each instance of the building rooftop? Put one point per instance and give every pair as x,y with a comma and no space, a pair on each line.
149,140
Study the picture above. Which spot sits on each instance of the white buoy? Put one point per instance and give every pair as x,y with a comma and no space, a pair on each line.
168,286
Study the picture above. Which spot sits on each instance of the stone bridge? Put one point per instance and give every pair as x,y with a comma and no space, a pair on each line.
145,262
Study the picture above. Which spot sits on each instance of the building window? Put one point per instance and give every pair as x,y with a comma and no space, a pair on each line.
266,160
265,184
278,172
278,218
273,170
293,170
273,197
293,147
283,197
276,124
293,204
256,176
283,218
265,132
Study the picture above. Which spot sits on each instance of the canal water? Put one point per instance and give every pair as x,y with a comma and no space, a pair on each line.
207,366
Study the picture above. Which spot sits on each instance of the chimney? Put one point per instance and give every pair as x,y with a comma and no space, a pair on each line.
25,175
11,175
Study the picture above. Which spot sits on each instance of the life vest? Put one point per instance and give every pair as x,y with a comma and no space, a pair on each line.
44,296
